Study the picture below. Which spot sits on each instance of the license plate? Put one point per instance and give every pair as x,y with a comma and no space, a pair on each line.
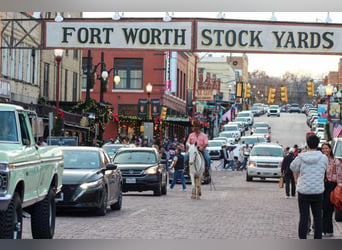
131,180
60,197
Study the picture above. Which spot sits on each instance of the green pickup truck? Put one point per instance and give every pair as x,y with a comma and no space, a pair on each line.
30,177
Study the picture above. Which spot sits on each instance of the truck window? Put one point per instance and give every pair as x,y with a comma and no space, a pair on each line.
25,135
8,131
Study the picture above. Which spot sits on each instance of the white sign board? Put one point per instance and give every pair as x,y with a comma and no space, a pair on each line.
127,35
270,37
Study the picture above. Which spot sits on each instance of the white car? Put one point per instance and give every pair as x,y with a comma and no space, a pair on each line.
226,139
232,128
263,132
265,161
273,110
214,147
247,114
231,136
241,126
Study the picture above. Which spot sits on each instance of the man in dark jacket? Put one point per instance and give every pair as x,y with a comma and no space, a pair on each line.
178,165
287,173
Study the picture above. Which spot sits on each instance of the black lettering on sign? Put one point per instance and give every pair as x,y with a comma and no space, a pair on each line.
156,36
144,36
66,33
241,43
83,35
107,30
218,37
255,38
230,39
315,40
326,38
131,35
167,36
290,41
303,40
179,36
207,37
278,38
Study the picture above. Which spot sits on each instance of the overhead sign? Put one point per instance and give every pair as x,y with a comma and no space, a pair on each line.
196,35
270,37
112,34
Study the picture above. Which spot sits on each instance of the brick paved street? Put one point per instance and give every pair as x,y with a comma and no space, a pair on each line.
235,210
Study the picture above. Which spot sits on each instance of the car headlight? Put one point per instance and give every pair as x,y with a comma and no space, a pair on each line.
252,164
92,184
151,171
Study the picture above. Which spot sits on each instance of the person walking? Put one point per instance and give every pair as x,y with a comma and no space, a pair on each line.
231,160
310,167
329,185
178,165
223,158
287,174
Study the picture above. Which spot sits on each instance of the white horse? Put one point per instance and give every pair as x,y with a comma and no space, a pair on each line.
196,170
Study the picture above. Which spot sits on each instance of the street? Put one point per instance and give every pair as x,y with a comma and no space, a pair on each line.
230,208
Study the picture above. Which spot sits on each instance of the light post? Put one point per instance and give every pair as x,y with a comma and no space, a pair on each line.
149,90
58,57
328,92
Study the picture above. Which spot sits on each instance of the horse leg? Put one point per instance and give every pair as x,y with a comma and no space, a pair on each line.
193,193
197,182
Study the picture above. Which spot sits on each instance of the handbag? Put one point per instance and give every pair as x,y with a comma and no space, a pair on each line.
281,182
336,197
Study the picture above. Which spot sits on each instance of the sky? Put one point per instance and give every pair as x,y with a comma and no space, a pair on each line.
316,66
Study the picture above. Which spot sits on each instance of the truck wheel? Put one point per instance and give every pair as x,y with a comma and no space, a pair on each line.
43,217
157,191
11,220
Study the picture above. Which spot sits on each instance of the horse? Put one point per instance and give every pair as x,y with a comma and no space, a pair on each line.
196,170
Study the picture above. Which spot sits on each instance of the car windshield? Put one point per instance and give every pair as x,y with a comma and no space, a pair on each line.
227,135
135,157
230,128
8,131
274,107
249,140
76,159
261,130
215,143
111,148
244,115
241,119
260,125
267,151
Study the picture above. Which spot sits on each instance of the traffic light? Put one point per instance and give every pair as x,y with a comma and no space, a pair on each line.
283,94
271,95
248,91
163,113
239,88
310,88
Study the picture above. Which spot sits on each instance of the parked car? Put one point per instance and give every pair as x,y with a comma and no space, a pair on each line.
111,148
249,115
295,108
264,161
90,181
214,147
273,110
262,132
142,169
252,140
232,128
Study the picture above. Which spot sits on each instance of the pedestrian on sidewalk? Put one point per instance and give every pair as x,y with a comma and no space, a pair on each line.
178,165
231,160
287,174
310,167
329,185
223,158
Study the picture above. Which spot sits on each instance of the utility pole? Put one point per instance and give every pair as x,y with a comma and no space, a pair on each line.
88,77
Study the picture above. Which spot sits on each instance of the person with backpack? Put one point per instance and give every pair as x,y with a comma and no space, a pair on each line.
287,174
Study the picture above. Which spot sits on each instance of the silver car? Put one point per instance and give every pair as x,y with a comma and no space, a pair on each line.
265,161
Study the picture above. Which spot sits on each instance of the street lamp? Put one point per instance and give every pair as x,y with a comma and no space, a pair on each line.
58,57
149,90
328,92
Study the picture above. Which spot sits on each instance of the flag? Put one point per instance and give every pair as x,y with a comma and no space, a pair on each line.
226,116
337,130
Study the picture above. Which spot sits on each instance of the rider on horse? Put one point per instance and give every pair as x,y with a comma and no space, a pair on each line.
202,142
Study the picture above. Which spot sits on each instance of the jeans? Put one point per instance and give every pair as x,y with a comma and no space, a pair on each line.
328,208
206,158
231,164
305,201
244,163
290,181
179,174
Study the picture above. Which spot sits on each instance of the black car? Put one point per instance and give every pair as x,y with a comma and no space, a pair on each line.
90,181
142,169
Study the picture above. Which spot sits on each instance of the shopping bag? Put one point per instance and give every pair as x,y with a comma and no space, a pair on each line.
281,182
336,197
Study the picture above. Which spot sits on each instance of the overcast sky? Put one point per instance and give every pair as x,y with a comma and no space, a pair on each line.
274,64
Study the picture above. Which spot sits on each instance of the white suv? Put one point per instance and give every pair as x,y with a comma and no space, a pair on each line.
273,110
249,116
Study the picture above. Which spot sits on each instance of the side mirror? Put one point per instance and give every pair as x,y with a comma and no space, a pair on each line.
111,166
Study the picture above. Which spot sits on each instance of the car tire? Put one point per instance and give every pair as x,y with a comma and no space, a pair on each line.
101,211
248,178
117,205
164,187
43,217
338,214
157,191
11,220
